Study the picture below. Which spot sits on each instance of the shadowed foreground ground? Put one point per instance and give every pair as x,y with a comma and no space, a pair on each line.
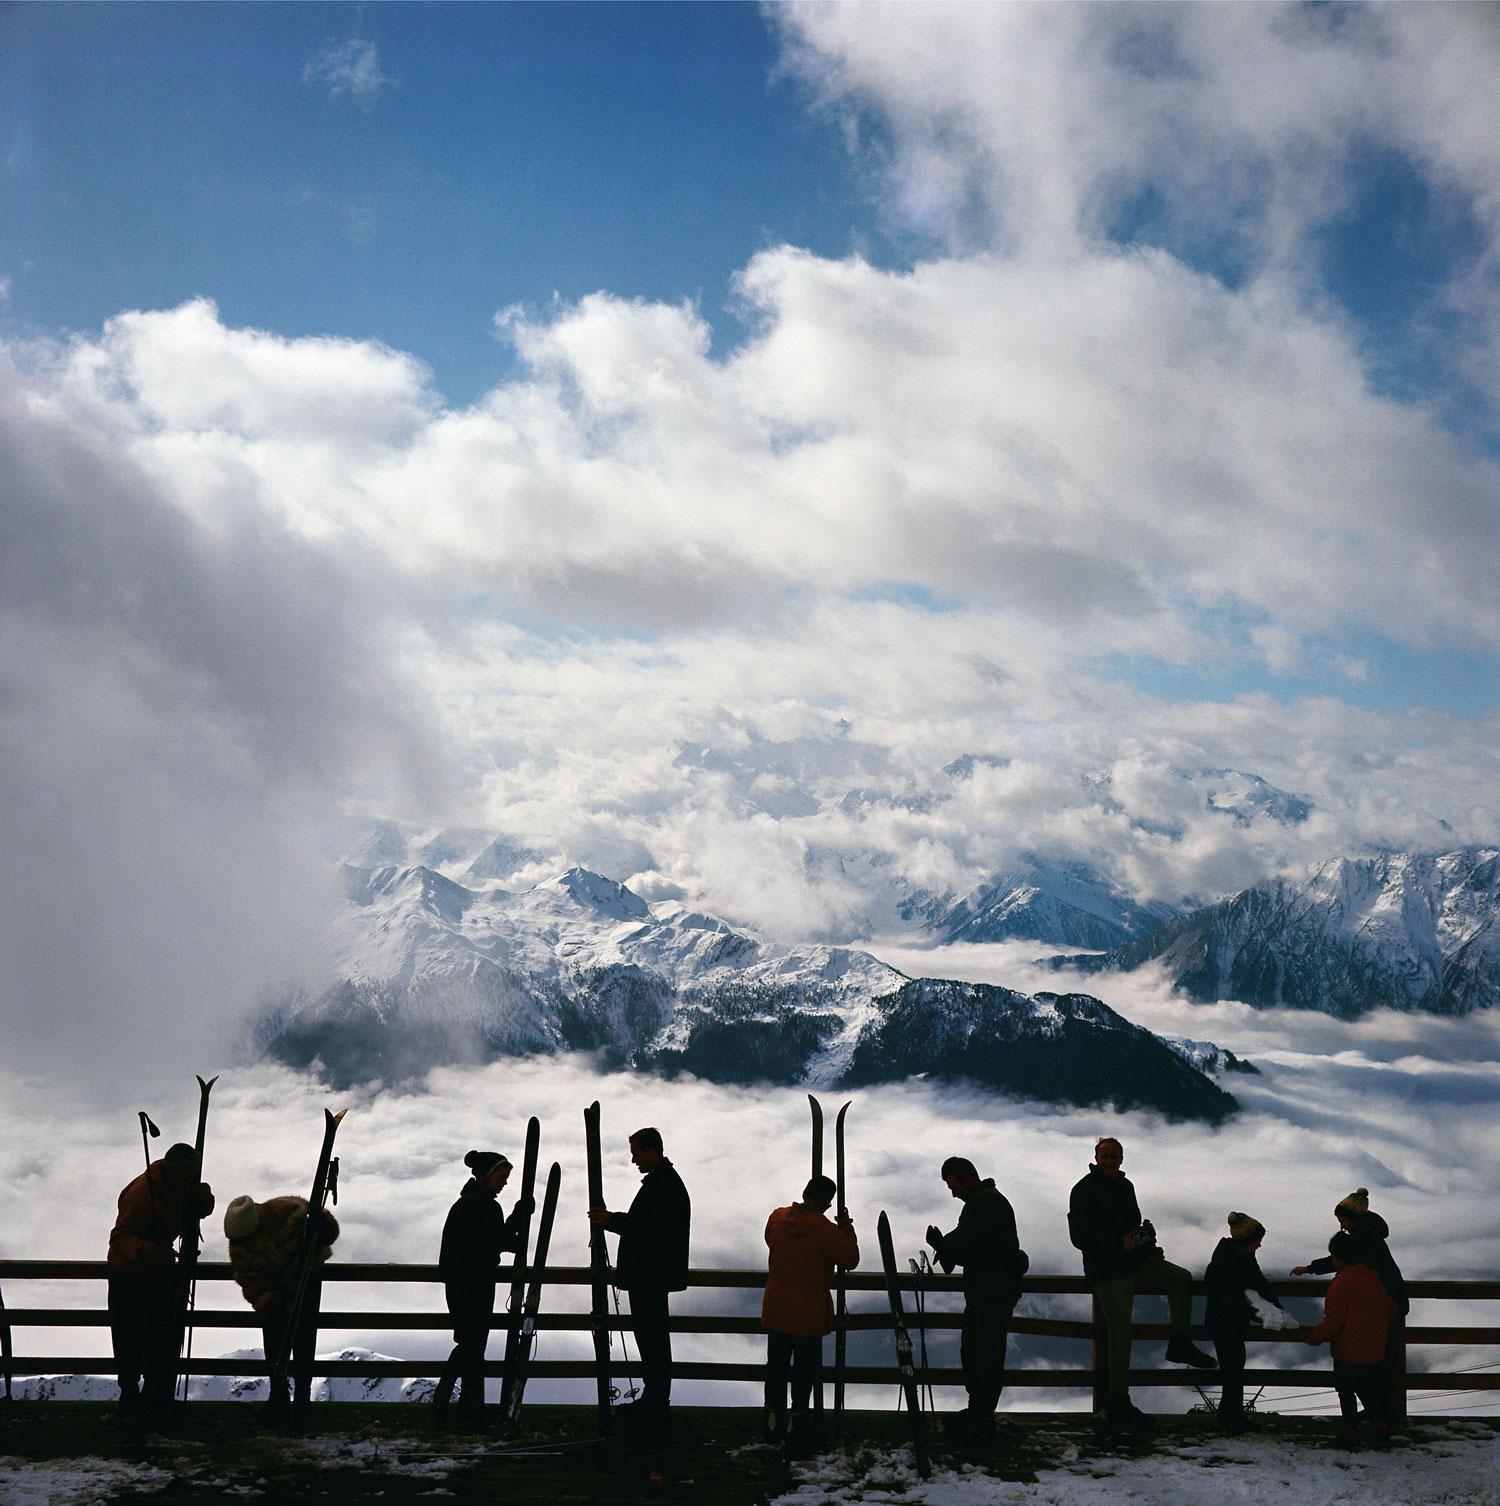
62,1453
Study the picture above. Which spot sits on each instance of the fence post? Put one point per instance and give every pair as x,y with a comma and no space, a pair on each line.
1099,1357
1397,1400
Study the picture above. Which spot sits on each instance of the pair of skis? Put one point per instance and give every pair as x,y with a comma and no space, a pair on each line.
325,1185
526,1294
909,1386
598,1267
192,1239
841,1296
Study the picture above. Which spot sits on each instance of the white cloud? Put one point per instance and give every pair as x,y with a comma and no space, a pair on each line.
351,67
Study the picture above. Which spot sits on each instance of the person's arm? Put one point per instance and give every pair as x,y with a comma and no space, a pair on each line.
845,1243
135,1238
516,1224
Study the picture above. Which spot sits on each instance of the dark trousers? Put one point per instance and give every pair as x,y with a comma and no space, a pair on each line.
145,1330
981,1352
1229,1348
1369,1384
797,1356
299,1362
648,1306
473,1311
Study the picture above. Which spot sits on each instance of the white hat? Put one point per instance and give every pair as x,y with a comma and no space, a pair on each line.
241,1218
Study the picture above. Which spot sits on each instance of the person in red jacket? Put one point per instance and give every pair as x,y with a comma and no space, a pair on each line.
1357,1315
146,1297
796,1311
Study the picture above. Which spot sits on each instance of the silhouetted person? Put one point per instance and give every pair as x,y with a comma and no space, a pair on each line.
265,1245
652,1262
1357,1315
474,1234
1230,1316
986,1245
1120,1257
796,1311
1370,1233
146,1296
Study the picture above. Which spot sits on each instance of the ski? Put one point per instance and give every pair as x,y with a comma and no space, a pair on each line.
324,1180
841,1296
817,1171
7,1353
192,1239
903,1345
518,1262
525,1334
598,1264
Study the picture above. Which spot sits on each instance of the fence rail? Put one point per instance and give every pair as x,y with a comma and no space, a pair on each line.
1080,1330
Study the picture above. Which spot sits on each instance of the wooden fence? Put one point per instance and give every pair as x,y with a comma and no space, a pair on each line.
1089,1376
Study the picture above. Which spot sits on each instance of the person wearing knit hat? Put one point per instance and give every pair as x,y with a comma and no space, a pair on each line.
1370,1232
1233,1274
146,1306
265,1241
474,1234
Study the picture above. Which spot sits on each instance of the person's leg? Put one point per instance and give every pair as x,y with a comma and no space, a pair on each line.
272,1337
1230,1349
305,1344
649,1309
163,1341
1344,1383
1116,1299
1177,1283
807,1371
986,1331
127,1330
474,1314
778,1361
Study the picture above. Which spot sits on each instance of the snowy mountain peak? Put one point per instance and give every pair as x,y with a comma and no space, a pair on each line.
592,891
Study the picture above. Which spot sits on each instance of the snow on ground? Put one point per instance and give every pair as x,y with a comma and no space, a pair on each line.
1454,1464
79,1482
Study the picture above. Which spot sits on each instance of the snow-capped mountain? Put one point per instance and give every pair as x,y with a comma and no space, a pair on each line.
432,971
1066,904
1402,931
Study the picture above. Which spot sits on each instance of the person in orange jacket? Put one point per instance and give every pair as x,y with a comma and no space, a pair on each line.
805,1248
147,1300
1357,1314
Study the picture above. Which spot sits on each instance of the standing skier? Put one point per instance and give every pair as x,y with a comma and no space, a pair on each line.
1233,1273
265,1241
475,1233
986,1245
146,1307
652,1262
806,1248
1121,1256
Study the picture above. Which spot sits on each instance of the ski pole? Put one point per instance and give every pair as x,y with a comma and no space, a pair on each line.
148,1128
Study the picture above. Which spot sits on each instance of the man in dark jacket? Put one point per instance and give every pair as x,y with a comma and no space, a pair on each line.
1233,1272
1121,1256
146,1294
652,1261
985,1244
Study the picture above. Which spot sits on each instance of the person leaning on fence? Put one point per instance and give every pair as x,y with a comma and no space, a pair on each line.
146,1293
1357,1314
474,1234
652,1262
1231,1316
796,1311
1121,1257
986,1245
1370,1232
265,1243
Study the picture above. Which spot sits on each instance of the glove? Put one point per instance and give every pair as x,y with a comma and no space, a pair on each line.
934,1236
525,1206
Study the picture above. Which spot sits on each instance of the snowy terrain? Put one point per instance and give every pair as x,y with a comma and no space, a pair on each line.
432,971
1402,931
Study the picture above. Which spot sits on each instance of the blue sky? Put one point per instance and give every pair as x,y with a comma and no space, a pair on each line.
516,151
1108,389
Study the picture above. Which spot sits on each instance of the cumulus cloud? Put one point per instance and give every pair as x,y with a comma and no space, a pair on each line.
349,68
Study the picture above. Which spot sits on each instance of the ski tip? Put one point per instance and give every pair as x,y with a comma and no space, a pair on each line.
844,1110
333,1118
205,1086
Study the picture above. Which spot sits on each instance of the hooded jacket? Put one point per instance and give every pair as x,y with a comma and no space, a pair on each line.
805,1248
1357,1313
1370,1232
264,1262
986,1245
474,1234
149,1220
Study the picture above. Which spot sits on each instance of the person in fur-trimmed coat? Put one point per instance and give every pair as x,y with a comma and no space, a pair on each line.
265,1240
